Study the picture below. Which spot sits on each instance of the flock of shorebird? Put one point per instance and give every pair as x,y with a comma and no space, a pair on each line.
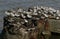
32,14
40,12
21,18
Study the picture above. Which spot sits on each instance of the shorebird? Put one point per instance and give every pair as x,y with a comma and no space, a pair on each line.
23,16
35,9
57,18
17,14
8,12
29,16
20,10
25,20
30,9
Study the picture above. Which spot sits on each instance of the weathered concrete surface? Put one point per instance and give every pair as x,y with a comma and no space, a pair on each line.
54,25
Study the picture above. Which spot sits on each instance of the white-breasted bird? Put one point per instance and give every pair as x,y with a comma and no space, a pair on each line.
20,10
29,16
25,20
7,13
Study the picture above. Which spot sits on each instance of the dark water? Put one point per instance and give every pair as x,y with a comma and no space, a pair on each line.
8,4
